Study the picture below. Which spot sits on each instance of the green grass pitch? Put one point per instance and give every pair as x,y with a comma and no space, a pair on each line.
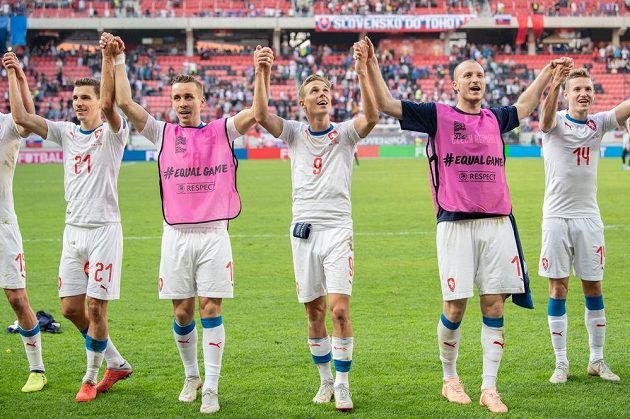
267,370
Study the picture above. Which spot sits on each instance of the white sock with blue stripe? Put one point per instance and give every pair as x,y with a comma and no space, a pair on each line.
95,353
321,353
342,358
492,343
558,327
32,340
595,319
186,341
213,343
113,358
448,334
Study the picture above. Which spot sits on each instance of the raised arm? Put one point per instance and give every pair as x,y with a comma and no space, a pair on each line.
548,115
384,100
108,87
137,114
28,121
622,112
365,123
530,98
263,60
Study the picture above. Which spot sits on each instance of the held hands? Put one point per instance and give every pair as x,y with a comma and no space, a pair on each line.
360,55
263,59
11,63
563,61
111,45
560,73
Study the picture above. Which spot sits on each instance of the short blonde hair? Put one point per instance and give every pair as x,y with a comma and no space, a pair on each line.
577,73
185,78
310,79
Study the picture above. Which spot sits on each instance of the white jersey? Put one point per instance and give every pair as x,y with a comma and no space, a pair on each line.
91,165
626,140
9,149
321,172
154,132
571,154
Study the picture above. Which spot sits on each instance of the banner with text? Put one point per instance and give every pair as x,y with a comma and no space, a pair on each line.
390,23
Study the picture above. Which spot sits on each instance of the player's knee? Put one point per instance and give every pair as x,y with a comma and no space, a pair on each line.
19,302
340,315
96,308
558,289
72,311
592,288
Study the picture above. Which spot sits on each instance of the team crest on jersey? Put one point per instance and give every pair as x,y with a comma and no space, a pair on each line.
332,136
97,137
591,124
451,284
545,263
180,144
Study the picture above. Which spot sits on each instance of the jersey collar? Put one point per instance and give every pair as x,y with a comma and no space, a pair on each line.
575,121
90,131
320,133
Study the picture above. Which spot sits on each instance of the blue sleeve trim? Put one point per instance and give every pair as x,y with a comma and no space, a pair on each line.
594,303
492,322
211,322
95,345
322,359
449,324
29,333
557,307
342,366
183,330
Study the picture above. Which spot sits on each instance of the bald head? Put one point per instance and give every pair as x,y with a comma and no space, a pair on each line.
466,66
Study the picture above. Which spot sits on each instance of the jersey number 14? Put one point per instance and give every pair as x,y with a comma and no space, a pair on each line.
582,154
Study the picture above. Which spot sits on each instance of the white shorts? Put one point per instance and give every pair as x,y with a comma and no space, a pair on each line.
482,252
323,263
196,262
573,241
100,250
12,264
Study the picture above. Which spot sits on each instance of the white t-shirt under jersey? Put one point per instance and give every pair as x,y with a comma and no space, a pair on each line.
9,149
571,154
321,172
154,132
91,166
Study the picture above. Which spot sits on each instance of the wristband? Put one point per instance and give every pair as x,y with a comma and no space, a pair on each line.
120,59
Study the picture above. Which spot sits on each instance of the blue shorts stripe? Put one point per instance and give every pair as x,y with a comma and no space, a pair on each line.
342,366
183,330
492,322
322,359
95,345
211,322
557,307
29,333
594,303
449,324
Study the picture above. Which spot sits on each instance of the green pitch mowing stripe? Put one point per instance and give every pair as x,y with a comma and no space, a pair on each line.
267,369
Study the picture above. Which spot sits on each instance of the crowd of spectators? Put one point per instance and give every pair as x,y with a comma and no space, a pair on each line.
225,96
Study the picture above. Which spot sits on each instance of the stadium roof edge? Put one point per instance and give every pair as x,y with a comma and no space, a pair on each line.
305,23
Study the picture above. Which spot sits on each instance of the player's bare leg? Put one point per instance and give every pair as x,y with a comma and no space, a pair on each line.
28,328
185,334
342,345
595,319
320,347
492,343
74,309
95,344
558,327
213,346
448,333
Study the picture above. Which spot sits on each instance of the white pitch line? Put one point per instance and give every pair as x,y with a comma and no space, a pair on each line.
272,235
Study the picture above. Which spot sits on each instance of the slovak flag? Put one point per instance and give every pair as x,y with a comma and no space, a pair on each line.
503,20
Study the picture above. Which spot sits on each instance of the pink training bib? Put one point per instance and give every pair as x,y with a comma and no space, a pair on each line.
468,174
198,174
